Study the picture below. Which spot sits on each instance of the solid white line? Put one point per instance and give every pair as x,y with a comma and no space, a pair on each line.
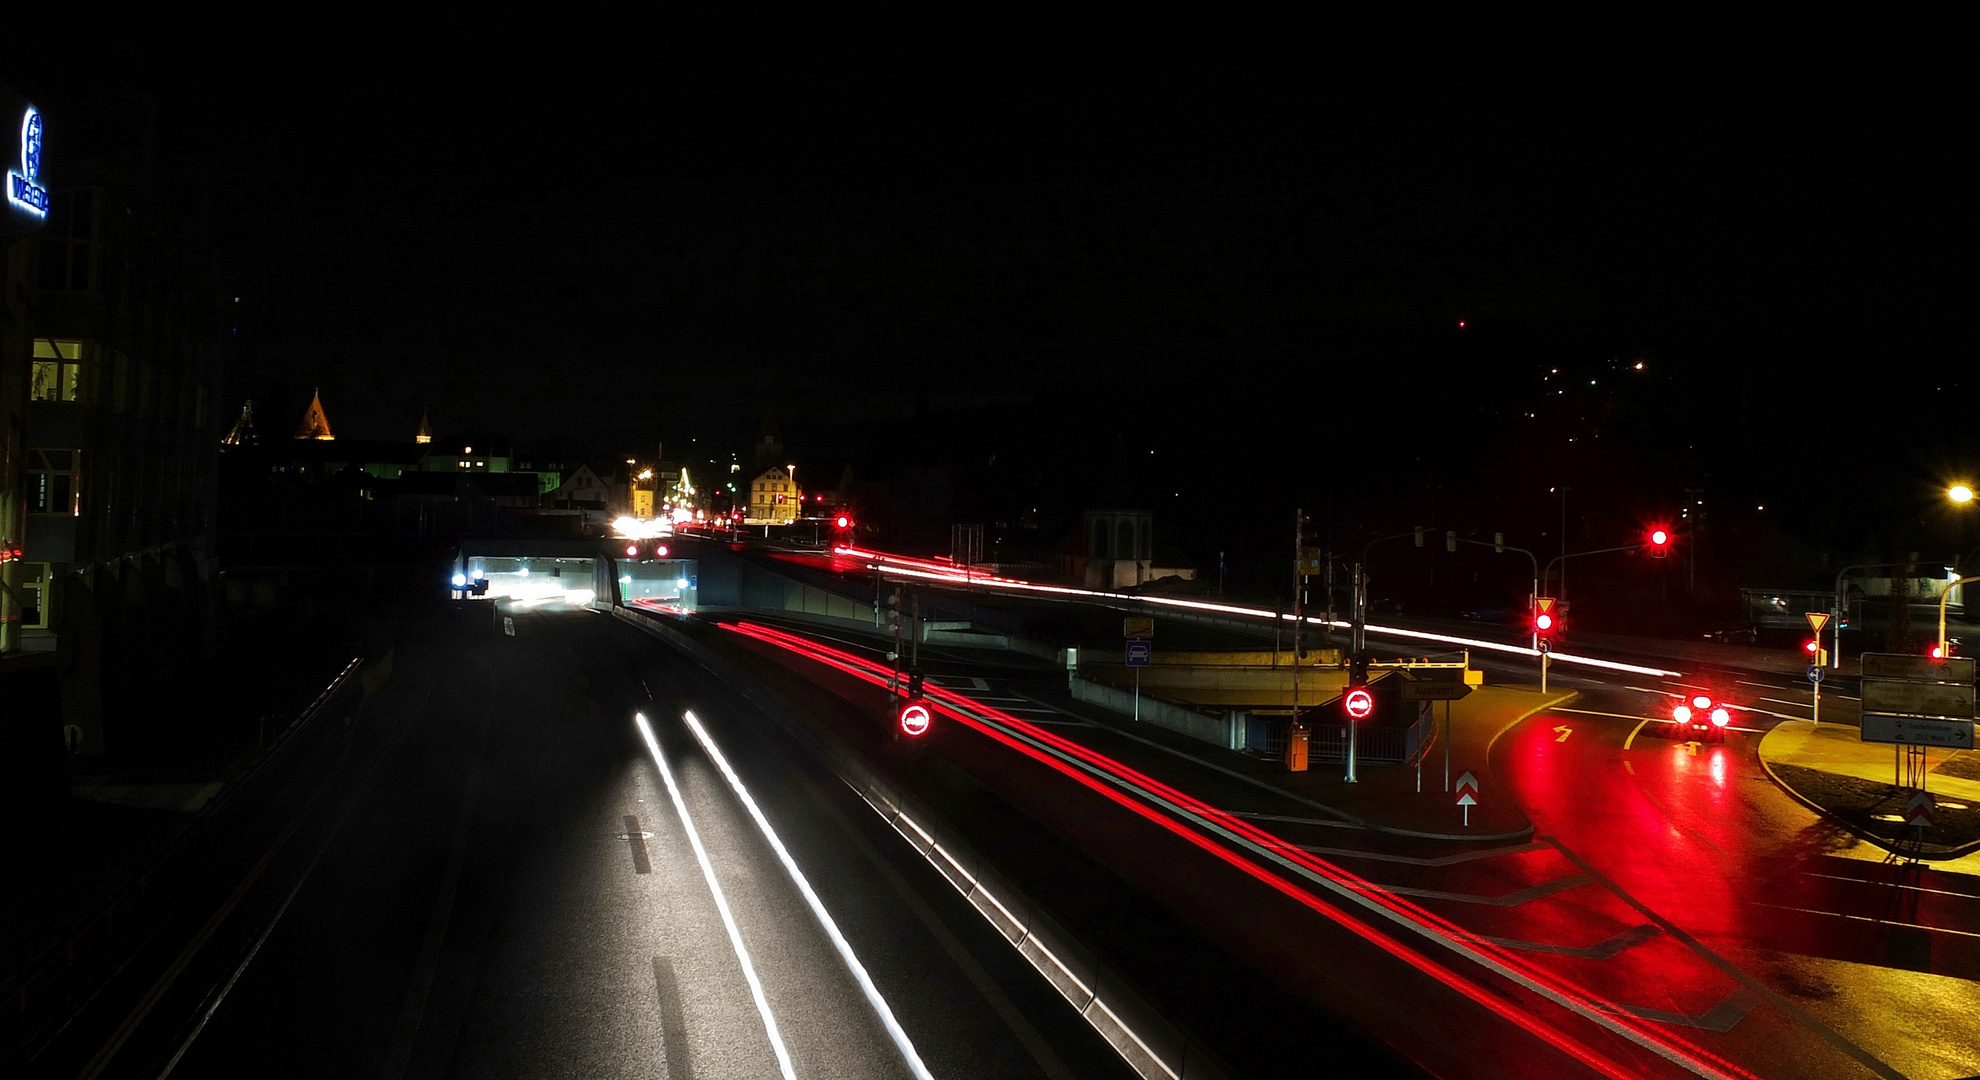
839,942
721,902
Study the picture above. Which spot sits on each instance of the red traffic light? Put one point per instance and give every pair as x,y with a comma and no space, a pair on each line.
1811,646
1658,541
914,717
1543,622
1938,652
843,521
1358,703
1659,537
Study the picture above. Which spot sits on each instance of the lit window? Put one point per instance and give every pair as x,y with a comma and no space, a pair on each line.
57,370
34,595
54,481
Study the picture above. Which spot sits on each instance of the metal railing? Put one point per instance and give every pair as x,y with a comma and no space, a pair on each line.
47,985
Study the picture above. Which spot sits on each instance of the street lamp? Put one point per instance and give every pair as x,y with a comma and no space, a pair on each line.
1960,493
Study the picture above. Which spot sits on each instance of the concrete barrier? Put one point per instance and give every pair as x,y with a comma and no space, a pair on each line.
1227,731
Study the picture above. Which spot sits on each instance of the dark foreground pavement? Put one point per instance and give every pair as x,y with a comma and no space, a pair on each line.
488,877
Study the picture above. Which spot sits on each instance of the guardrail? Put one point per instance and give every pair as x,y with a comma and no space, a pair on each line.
46,987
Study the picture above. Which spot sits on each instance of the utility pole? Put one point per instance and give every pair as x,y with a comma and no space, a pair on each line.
1296,735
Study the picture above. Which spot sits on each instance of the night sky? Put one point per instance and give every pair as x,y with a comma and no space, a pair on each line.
1245,248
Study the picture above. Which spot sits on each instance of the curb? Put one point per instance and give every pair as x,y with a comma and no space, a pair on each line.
1867,837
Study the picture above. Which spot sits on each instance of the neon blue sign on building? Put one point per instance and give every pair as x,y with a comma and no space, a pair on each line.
23,187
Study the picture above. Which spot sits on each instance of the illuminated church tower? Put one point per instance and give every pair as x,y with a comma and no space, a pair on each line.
315,425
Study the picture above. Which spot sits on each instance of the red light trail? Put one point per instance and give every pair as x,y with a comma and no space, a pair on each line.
1115,781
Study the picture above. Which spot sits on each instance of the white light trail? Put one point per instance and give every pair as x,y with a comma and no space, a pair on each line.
839,942
721,902
888,565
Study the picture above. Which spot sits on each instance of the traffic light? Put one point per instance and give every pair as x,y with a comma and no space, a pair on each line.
914,682
1546,618
1813,649
1949,650
1657,542
842,522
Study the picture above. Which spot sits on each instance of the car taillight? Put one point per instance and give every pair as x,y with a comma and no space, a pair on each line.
1682,714
1720,718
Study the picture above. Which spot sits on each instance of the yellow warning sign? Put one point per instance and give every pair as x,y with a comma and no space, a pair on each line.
1816,620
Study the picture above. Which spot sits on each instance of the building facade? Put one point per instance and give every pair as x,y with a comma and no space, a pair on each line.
109,364
774,498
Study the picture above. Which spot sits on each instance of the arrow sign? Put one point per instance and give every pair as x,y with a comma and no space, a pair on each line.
1467,781
1565,732
1816,620
1467,802
1919,810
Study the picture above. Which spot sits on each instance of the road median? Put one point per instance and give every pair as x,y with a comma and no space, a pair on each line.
1832,771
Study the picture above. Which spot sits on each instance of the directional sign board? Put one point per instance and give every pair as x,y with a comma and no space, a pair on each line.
1920,810
1953,700
1136,627
1917,731
1139,651
1907,666
1814,673
1444,684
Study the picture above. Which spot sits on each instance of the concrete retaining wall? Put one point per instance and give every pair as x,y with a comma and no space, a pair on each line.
1227,731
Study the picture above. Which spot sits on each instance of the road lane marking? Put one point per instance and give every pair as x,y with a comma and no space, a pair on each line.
1890,884
1794,704
1721,1017
825,921
636,840
783,1054
1027,1035
1422,860
1632,738
1249,816
1511,899
673,1022
1597,712
1565,732
1831,1036
1601,950
1867,918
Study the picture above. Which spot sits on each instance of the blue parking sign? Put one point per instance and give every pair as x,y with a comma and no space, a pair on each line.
1138,652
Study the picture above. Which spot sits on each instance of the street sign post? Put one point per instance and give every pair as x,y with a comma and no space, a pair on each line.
1139,651
1918,731
1909,698
1467,795
1137,627
1438,685
1907,666
1920,810
1914,702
